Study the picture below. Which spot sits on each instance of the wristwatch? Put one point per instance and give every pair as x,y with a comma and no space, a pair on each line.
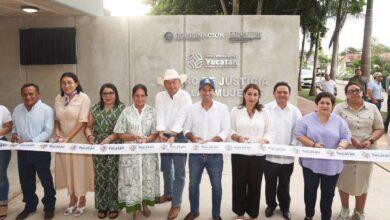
372,141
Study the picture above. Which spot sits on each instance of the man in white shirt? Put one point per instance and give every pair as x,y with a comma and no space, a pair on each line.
171,107
328,85
374,90
284,117
207,121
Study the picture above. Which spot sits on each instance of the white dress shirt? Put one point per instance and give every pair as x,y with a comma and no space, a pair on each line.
5,116
284,121
329,86
36,125
208,124
257,128
171,112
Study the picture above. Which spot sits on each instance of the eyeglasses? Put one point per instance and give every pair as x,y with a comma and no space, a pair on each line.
108,93
354,91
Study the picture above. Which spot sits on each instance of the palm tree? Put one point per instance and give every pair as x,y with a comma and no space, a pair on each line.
366,51
259,7
313,88
340,19
236,7
224,9
301,57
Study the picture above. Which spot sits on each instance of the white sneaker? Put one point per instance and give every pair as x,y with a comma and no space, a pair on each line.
358,215
344,214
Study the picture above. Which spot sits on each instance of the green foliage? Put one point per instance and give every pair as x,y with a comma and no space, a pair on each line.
378,48
350,50
380,65
304,93
323,59
188,7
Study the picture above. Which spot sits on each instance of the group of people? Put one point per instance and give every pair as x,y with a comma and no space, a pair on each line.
133,181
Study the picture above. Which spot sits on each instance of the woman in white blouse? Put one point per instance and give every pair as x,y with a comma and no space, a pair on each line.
250,122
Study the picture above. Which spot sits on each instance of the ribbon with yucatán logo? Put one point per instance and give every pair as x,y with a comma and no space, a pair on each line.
207,148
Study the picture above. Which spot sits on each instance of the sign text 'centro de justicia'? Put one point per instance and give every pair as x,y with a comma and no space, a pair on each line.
227,86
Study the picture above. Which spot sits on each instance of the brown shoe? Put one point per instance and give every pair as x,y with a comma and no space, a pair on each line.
191,216
173,213
164,198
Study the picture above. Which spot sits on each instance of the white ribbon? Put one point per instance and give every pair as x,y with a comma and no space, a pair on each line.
208,148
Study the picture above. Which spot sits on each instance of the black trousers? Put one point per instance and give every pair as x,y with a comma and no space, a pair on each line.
328,184
30,164
272,173
247,176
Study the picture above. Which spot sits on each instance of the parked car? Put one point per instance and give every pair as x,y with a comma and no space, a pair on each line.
307,76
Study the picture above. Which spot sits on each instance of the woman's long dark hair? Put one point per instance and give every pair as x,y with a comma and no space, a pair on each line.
258,106
75,79
110,86
139,86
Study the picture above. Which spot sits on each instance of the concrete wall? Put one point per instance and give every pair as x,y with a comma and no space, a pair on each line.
126,51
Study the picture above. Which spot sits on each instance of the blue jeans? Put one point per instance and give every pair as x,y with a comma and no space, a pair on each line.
214,166
5,157
173,168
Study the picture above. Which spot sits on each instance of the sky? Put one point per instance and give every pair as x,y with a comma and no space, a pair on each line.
352,32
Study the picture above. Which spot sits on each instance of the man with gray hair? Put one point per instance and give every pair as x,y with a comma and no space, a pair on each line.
171,106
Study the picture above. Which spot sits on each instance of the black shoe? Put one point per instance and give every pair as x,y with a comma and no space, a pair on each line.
191,216
49,215
308,218
24,214
286,215
269,212
217,218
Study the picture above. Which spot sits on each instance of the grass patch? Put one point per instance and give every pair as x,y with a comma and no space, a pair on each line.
305,94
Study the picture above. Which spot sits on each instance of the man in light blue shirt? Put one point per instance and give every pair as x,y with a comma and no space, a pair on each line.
34,122
374,90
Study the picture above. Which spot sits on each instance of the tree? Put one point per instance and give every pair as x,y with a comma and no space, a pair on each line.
223,4
350,50
259,7
236,7
341,8
318,30
378,48
301,57
366,51
313,88
323,60
340,19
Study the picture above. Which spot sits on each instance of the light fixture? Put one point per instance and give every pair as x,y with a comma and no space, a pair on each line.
30,9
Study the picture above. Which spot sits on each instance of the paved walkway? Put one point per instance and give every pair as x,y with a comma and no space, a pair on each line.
377,205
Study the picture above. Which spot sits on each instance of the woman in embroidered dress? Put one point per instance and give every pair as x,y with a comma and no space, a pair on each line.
139,183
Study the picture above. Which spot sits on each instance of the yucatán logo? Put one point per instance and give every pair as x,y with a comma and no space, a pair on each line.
197,61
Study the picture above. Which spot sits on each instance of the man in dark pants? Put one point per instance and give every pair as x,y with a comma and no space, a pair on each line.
387,89
284,116
34,122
